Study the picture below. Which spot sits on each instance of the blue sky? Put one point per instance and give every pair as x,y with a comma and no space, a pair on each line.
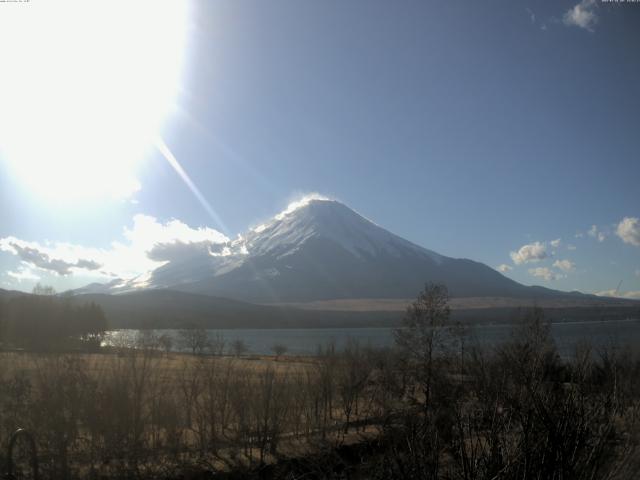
471,128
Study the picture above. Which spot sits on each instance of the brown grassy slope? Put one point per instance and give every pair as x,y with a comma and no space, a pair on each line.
461,303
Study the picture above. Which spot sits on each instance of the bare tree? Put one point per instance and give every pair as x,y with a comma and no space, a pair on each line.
279,349
147,340
325,385
194,339
239,347
422,340
44,290
422,334
218,344
352,374
166,343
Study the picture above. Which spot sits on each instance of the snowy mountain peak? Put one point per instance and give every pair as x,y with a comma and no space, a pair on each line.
319,217
291,208
301,203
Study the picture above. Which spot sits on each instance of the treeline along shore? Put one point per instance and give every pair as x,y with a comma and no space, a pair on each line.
44,321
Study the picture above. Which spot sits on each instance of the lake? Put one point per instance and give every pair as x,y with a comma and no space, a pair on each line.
304,341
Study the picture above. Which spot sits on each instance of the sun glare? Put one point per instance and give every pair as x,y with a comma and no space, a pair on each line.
85,88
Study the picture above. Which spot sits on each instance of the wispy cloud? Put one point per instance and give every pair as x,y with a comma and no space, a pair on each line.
504,268
299,203
545,273
532,15
564,265
582,15
147,244
23,273
34,255
596,233
556,243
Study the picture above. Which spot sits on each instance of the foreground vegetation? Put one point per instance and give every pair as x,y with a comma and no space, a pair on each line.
434,407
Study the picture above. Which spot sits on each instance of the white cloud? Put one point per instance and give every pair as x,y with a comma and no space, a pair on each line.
23,273
147,232
301,202
544,272
571,247
556,243
174,251
579,235
613,293
581,15
148,244
564,265
532,252
597,234
504,268
629,230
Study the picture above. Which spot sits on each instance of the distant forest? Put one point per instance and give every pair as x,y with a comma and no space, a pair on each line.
44,321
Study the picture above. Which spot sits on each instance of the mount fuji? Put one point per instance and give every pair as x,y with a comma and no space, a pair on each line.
320,249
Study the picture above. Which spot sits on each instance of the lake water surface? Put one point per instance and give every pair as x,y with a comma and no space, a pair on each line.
305,341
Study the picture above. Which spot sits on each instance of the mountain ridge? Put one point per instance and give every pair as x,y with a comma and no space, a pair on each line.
320,249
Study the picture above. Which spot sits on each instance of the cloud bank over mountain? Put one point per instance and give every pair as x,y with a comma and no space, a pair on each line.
147,245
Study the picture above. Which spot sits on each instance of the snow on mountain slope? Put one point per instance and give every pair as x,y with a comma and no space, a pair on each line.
333,221
319,249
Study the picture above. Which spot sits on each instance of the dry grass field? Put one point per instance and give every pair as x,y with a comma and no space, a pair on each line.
108,414
172,365
460,303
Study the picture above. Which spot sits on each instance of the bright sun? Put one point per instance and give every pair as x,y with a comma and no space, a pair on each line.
84,89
